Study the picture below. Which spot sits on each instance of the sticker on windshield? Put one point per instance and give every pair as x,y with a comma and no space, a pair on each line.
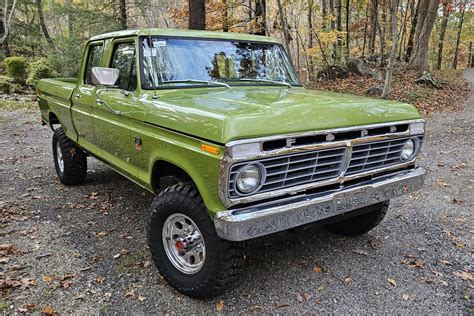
150,52
159,43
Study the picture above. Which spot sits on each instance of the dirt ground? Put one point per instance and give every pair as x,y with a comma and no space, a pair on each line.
83,249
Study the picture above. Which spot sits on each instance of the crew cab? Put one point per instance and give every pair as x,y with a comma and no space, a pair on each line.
245,149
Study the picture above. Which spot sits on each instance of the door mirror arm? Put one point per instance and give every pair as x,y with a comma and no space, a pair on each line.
101,101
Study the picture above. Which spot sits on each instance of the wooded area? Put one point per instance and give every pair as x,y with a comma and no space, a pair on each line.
423,34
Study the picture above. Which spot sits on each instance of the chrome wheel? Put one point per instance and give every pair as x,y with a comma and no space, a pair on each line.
59,157
183,243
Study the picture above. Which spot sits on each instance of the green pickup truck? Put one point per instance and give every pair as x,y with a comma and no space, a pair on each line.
246,150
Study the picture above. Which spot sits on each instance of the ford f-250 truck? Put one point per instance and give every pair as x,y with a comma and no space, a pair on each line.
250,150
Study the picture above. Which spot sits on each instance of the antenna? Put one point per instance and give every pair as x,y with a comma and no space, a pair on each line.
153,83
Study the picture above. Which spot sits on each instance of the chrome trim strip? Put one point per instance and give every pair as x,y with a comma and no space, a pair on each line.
227,162
271,217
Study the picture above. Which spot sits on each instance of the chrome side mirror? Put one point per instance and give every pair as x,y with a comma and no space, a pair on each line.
104,76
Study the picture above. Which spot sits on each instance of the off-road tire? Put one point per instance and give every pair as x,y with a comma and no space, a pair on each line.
360,224
223,261
75,160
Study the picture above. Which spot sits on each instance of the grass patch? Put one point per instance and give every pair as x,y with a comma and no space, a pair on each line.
8,105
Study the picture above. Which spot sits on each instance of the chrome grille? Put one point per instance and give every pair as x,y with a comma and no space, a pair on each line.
295,169
374,155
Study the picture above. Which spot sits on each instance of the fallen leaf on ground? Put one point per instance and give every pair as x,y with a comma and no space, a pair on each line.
301,297
317,269
392,281
446,262
466,276
220,306
361,252
26,308
101,234
48,310
99,280
47,278
405,296
81,296
255,307
348,280
8,249
141,298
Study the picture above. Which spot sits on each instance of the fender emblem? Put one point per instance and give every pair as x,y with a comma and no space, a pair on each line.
138,143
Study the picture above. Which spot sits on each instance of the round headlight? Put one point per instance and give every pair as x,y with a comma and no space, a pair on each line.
408,150
249,178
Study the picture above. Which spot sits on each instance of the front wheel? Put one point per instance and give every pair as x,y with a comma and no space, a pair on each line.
185,246
360,224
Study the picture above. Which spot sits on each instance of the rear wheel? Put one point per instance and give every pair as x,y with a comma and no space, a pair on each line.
70,162
185,246
360,224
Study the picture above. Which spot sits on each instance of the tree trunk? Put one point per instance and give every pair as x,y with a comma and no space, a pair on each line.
123,14
414,23
225,23
6,23
310,23
383,33
197,14
470,59
284,28
339,29
324,13
393,53
365,29
374,4
260,17
458,39
426,18
39,5
70,24
442,32
348,38
403,30
332,26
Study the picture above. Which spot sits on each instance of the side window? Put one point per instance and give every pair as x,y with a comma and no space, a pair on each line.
93,60
124,60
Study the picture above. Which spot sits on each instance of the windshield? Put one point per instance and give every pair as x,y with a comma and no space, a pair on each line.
171,62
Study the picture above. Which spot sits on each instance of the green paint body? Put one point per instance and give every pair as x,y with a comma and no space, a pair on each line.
173,123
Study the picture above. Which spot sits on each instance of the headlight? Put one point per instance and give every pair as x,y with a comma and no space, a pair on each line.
410,149
249,178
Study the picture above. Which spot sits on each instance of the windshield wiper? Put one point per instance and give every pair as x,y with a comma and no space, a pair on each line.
198,81
266,80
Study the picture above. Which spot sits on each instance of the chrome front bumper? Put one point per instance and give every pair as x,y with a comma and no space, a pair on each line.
263,219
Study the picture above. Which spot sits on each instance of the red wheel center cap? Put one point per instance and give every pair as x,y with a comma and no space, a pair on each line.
179,245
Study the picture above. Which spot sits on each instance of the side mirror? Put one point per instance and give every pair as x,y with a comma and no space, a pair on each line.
104,76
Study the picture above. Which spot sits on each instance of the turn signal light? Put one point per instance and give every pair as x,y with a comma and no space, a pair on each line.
210,149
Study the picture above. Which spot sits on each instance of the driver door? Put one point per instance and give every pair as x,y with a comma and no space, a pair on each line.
117,112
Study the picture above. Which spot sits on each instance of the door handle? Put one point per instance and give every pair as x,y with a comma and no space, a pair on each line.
99,101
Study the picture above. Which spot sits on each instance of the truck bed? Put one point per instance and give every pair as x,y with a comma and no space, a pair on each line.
55,100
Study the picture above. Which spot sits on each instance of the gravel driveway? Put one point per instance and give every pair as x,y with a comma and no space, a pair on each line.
83,249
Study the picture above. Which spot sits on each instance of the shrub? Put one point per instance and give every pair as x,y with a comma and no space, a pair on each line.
38,70
17,68
5,84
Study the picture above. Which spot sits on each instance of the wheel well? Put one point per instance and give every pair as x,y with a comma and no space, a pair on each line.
53,120
165,174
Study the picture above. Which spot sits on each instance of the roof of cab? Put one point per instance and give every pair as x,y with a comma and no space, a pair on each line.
186,33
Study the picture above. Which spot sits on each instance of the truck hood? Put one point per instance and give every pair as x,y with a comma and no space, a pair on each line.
221,115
